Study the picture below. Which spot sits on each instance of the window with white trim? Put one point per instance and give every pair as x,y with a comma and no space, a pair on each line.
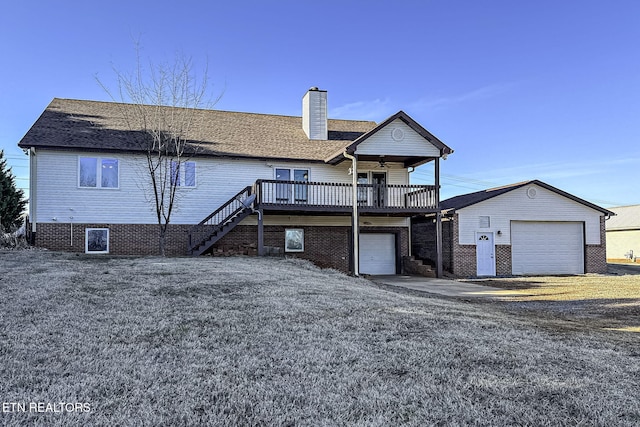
98,172
284,191
96,241
183,174
484,222
294,240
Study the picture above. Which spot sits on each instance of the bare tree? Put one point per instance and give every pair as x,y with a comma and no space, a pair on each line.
161,106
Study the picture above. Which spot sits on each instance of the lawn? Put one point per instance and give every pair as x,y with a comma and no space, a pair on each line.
605,301
251,341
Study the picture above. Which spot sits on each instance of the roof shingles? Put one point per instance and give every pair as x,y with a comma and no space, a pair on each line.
94,125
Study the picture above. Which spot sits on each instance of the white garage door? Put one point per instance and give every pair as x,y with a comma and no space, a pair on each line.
547,247
377,253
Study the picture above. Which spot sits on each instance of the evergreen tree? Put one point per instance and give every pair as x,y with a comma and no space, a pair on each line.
12,201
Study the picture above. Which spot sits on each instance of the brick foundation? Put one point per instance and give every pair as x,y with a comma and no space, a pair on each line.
124,239
504,267
327,247
464,260
596,255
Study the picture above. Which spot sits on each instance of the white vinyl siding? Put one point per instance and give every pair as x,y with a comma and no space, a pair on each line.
33,189
383,143
60,198
517,206
547,247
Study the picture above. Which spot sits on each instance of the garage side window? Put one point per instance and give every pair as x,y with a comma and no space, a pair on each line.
485,222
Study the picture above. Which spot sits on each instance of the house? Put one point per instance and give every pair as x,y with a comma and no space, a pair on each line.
526,228
623,234
274,183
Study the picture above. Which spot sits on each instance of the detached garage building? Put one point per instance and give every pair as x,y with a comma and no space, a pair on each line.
623,234
529,228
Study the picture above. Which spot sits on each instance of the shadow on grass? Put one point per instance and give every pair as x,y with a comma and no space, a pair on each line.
621,314
509,284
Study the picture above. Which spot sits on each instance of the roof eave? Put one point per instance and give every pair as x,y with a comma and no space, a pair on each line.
196,155
543,185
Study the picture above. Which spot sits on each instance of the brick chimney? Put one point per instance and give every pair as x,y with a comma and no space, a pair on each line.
314,114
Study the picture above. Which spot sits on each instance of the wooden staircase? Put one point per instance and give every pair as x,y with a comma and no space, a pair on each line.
214,227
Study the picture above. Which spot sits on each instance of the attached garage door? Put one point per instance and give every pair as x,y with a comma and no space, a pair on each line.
547,247
377,253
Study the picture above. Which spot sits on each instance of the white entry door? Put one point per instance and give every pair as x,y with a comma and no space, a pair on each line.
485,254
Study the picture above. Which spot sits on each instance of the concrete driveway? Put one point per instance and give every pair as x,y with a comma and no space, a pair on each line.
623,269
450,288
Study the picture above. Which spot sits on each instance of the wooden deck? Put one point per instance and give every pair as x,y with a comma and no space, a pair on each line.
337,198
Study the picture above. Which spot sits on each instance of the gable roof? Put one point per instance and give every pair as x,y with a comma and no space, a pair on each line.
627,218
458,202
101,126
351,148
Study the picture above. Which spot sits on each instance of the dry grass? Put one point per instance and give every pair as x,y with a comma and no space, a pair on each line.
606,301
249,341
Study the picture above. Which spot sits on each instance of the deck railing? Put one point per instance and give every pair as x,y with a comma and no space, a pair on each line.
319,195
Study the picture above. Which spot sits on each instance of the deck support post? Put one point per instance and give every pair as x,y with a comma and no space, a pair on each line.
260,232
355,221
439,245
438,219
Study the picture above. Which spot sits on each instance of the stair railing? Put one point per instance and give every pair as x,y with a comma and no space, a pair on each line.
206,228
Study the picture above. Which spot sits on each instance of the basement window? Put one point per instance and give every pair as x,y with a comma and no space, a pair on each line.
96,241
485,222
294,240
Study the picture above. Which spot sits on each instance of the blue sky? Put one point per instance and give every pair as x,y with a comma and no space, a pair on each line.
545,90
